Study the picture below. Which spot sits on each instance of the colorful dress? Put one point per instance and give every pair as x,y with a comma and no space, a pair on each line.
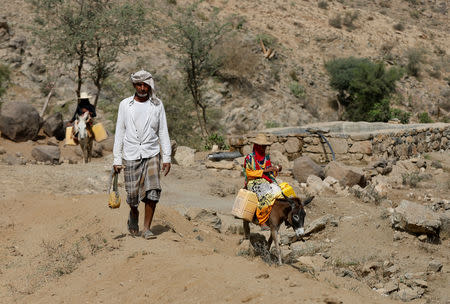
263,184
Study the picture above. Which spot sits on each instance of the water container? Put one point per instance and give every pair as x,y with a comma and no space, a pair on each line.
69,137
245,205
99,132
287,190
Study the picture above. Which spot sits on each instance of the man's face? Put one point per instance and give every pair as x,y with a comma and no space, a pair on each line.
142,89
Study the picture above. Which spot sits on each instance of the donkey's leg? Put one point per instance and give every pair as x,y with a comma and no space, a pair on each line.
246,226
89,149
274,235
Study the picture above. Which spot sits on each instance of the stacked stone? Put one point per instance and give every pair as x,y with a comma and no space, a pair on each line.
401,144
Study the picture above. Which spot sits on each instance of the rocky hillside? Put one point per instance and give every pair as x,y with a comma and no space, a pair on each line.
252,92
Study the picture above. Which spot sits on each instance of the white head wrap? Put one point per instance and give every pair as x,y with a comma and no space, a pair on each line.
145,77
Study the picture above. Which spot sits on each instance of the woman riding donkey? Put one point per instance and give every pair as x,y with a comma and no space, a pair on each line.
260,178
83,106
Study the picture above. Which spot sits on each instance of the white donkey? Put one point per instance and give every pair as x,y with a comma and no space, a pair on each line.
84,135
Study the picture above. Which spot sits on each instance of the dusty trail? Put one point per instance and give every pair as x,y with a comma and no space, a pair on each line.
116,268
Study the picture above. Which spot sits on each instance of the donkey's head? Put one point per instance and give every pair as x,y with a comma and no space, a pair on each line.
81,126
296,217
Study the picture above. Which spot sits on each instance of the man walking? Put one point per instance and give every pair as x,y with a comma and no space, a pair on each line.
140,132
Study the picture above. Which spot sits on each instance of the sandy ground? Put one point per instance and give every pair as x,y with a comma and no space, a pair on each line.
61,244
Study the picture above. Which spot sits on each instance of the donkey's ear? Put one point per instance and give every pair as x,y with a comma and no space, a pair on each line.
308,200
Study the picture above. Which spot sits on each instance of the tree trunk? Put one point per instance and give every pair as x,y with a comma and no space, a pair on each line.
47,100
81,55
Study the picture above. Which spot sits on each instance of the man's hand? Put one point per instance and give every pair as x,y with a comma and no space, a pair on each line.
117,168
165,168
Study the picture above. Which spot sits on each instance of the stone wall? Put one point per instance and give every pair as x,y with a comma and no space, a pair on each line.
364,141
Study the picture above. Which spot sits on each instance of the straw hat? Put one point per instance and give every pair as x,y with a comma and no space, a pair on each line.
261,139
84,95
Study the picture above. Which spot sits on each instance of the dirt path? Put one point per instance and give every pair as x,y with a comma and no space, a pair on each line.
61,244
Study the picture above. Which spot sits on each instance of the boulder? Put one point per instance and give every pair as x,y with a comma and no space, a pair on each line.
304,167
415,218
292,145
345,175
185,156
445,225
315,185
223,165
108,144
208,217
97,149
278,158
19,121
46,153
320,224
434,266
54,126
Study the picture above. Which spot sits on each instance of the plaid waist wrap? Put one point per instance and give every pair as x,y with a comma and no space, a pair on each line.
142,180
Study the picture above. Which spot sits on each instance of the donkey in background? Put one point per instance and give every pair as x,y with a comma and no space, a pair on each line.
84,135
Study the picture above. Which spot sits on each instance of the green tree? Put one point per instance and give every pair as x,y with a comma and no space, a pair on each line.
364,87
87,31
194,39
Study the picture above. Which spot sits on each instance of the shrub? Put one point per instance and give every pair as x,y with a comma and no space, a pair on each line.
271,124
415,56
403,116
297,89
349,17
336,21
268,40
399,27
413,179
5,75
323,4
364,87
215,139
424,118
293,75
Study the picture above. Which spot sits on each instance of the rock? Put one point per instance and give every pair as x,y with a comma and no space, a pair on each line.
19,121
223,164
292,145
445,225
387,272
319,224
420,283
421,163
245,249
185,156
306,248
415,218
2,150
54,126
205,216
46,153
345,175
304,167
315,185
97,150
390,287
408,294
423,237
52,142
108,144
434,266
316,263
278,158
277,147
370,267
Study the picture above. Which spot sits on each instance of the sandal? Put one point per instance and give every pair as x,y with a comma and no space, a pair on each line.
133,226
148,235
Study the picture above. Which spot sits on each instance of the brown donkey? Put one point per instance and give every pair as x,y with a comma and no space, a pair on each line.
289,211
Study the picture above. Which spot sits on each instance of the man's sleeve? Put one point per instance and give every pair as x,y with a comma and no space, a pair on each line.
164,138
118,139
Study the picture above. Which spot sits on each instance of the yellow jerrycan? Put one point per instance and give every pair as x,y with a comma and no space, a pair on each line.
287,189
69,137
99,132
